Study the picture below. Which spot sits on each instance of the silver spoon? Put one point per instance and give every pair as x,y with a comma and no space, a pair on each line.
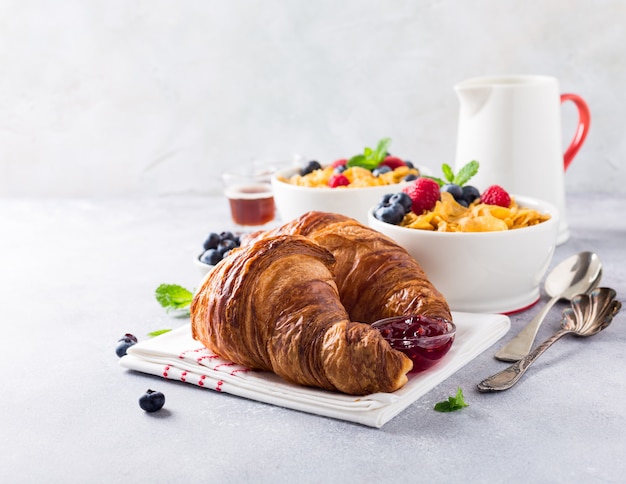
588,314
577,274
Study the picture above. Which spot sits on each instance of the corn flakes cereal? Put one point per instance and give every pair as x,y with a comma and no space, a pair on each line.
359,177
450,216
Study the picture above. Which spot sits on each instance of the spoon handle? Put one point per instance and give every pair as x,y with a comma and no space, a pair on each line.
508,377
519,346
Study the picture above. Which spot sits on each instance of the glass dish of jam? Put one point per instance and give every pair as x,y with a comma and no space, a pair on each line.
424,340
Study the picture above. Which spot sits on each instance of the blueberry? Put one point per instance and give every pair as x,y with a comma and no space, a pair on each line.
403,199
129,336
386,198
470,193
310,167
391,213
123,344
151,401
455,190
226,245
409,164
227,236
380,170
410,177
211,241
211,256
340,168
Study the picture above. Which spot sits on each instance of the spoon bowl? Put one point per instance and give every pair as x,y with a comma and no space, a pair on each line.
590,313
576,275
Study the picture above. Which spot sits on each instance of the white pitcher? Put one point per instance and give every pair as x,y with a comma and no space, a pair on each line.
512,126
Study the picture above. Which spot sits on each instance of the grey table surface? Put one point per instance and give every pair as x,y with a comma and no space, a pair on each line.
75,275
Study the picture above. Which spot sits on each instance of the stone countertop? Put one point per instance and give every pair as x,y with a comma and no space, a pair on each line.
75,275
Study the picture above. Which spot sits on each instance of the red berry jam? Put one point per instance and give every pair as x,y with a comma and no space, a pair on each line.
424,340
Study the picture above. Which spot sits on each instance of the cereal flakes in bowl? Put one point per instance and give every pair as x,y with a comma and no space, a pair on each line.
347,186
483,258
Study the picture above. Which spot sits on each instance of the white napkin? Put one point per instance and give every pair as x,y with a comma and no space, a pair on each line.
177,356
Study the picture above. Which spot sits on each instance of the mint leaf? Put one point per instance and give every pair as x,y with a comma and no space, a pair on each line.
358,160
370,158
439,181
447,172
452,403
382,149
158,332
173,297
465,173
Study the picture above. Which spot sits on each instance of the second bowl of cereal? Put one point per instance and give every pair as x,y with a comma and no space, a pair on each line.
488,257
349,186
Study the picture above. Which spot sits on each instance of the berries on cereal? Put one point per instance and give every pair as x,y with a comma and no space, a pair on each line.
449,205
470,193
310,167
372,167
339,162
456,191
403,199
380,170
496,195
393,162
391,213
338,180
424,193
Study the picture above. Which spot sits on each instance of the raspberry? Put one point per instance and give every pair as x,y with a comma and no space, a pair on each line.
424,193
340,162
496,195
338,180
393,162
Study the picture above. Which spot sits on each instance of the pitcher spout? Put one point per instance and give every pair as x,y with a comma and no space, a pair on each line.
472,97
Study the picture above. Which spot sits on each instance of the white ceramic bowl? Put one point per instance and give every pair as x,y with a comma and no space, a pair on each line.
203,268
293,201
483,272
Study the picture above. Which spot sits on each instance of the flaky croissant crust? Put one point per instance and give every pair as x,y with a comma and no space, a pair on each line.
274,305
376,277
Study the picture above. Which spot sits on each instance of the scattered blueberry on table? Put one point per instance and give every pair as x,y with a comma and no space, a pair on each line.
124,343
152,401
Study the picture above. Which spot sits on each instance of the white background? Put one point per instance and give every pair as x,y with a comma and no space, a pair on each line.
157,97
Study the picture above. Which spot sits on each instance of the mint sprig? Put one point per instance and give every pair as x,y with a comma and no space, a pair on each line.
158,332
461,178
452,404
371,158
174,298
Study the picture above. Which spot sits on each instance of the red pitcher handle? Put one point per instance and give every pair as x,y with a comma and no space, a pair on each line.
584,118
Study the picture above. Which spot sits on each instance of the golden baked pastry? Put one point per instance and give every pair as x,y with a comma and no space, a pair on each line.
274,305
376,277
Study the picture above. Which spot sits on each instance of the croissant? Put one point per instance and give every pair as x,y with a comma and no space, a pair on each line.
274,305
376,277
